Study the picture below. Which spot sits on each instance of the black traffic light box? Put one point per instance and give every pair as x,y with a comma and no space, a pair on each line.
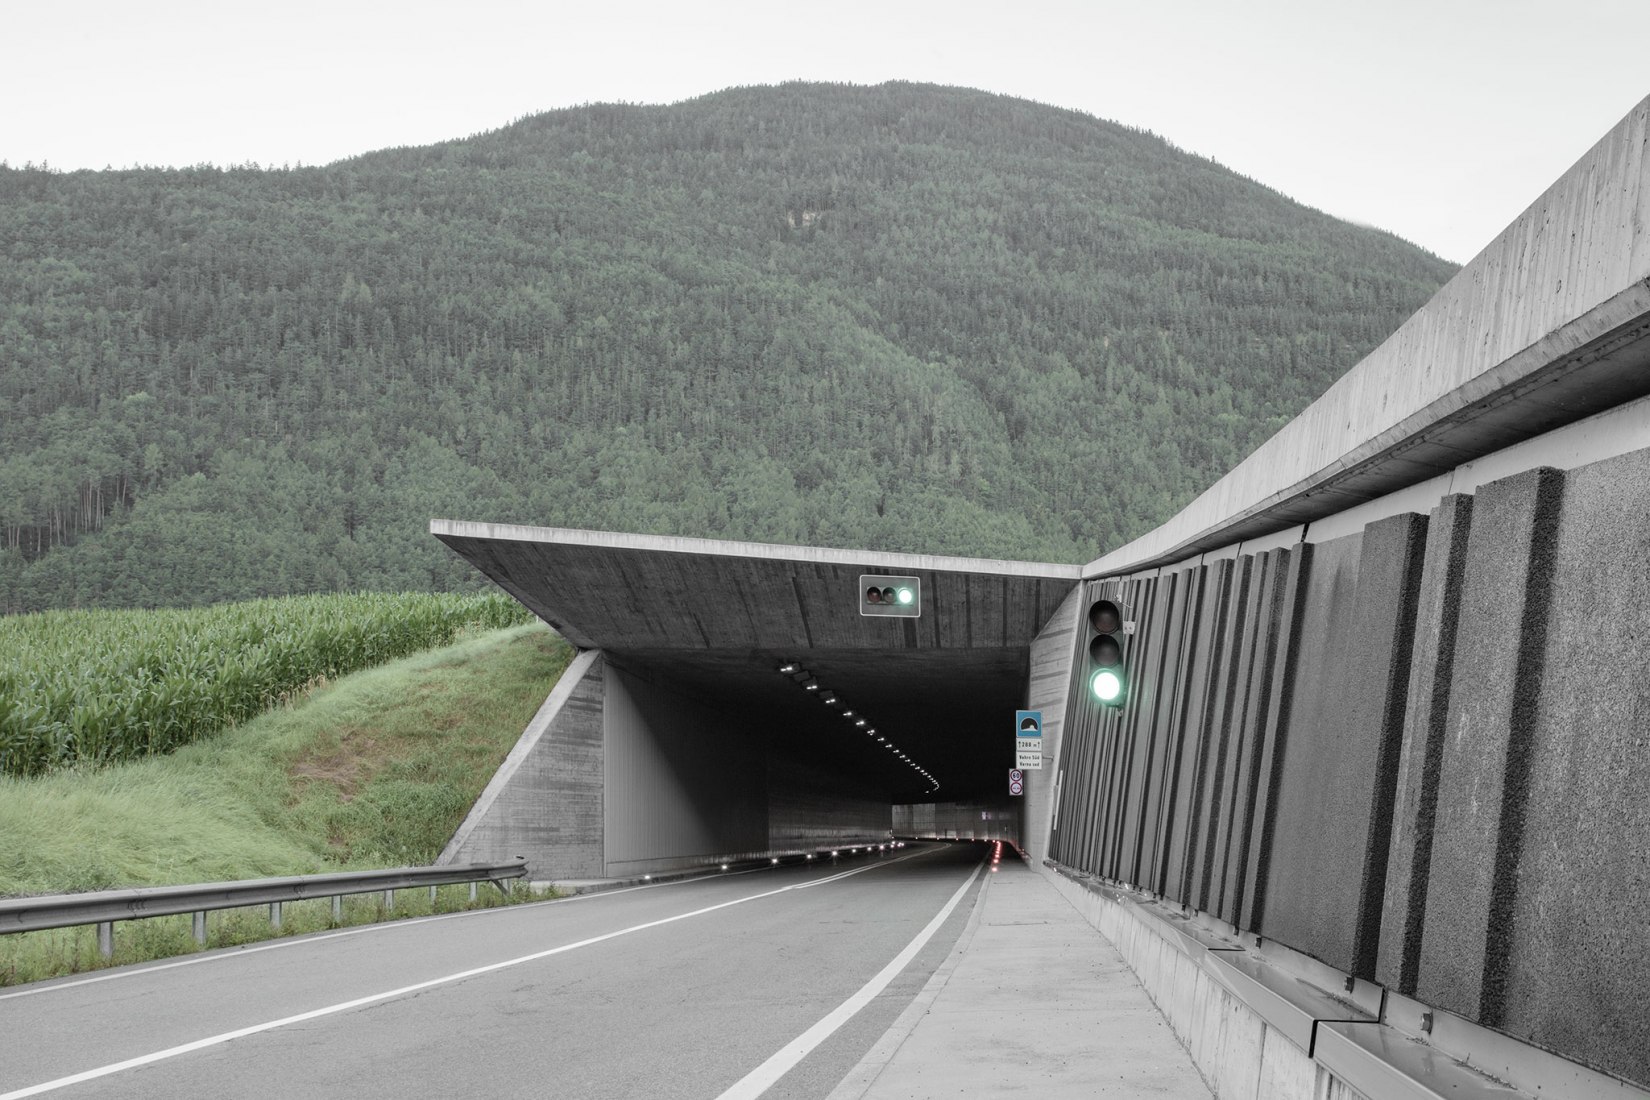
898,597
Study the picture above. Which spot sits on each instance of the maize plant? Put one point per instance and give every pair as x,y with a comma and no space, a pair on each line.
96,687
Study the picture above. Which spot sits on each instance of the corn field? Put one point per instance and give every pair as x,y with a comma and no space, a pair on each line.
95,687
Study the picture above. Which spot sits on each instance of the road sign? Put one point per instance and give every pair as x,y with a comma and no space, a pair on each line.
1028,723
1029,760
1016,781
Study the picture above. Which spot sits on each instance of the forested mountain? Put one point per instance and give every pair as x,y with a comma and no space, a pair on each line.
903,317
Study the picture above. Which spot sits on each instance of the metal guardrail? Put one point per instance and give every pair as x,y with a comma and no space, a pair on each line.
104,907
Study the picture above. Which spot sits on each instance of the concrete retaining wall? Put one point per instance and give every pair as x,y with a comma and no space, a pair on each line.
1415,753
545,800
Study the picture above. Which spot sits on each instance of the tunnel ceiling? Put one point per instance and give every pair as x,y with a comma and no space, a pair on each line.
715,621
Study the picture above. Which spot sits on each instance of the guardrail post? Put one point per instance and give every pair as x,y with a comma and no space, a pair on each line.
338,908
106,938
389,901
275,915
200,927
472,890
432,899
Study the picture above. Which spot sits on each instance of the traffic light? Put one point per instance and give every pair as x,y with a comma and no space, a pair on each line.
897,596
1108,678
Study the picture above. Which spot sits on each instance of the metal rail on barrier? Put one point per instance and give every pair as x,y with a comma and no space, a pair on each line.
104,907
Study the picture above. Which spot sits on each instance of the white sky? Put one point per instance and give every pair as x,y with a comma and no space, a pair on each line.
1439,120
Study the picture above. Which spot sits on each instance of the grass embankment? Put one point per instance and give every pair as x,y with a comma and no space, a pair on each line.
375,770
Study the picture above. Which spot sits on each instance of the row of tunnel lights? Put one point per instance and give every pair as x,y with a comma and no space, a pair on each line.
803,677
774,862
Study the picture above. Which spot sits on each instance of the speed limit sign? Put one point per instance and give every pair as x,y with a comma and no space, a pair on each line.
1016,781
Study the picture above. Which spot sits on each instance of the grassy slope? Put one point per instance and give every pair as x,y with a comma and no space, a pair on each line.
377,769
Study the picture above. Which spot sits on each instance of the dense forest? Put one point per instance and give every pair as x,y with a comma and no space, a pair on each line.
902,317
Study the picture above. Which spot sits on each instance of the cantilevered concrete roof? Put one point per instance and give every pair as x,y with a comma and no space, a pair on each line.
716,620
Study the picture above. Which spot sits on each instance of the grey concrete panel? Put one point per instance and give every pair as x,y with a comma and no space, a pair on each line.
1576,962
1340,767
1273,733
1415,801
1169,636
1493,706
1152,699
1250,716
1186,817
545,803
1220,790
1188,606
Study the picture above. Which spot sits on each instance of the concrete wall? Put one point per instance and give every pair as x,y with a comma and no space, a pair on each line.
545,801
685,786
1414,752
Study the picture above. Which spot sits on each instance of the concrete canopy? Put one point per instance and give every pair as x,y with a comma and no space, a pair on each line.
717,620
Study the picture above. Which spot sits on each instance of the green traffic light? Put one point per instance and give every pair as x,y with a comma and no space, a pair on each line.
1107,686
905,596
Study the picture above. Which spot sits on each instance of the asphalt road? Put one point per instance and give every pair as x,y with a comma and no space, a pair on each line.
676,990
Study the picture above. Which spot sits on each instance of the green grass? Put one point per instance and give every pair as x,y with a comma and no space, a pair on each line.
96,687
375,770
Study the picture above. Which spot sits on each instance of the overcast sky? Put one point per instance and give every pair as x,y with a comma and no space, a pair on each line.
1439,120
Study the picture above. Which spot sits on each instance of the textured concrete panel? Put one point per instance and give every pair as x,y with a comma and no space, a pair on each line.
1340,768
1482,779
1153,696
1199,687
545,801
1218,732
1262,652
1426,714
1273,733
1227,780
1577,962
1168,642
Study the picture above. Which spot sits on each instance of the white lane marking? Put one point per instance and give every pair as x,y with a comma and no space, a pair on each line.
764,1076
220,955
330,1010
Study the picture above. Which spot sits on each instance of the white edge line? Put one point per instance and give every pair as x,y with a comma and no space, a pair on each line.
764,1076
330,1010
222,954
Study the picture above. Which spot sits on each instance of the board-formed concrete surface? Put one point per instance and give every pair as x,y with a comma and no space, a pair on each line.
545,802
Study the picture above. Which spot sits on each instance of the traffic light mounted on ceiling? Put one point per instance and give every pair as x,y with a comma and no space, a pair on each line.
1107,674
900,597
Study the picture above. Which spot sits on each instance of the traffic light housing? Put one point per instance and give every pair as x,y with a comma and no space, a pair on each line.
898,597
1107,674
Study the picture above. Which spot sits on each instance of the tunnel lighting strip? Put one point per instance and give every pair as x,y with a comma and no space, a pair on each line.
793,671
